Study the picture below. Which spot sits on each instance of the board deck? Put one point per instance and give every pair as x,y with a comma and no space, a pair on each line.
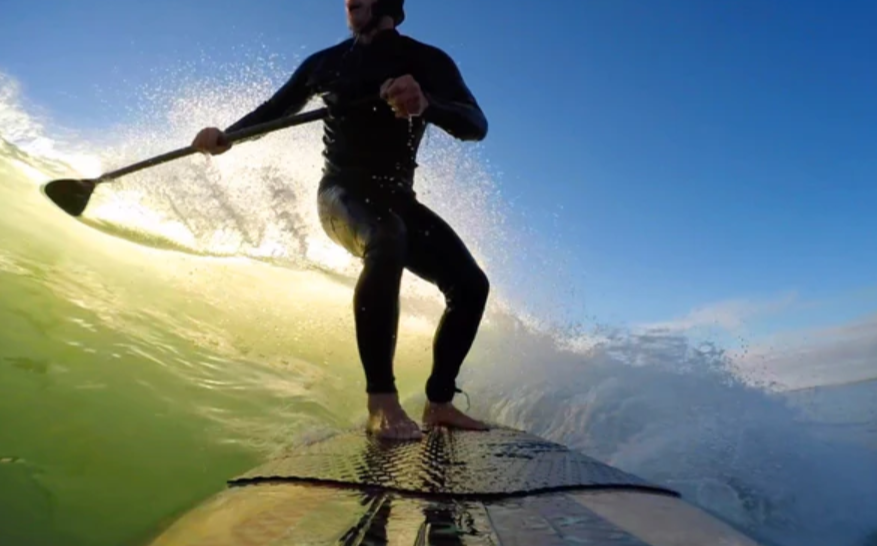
499,488
461,464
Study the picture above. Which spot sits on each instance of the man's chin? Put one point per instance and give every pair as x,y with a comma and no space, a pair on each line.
356,25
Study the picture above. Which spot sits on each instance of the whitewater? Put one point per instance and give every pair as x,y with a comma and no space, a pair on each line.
197,320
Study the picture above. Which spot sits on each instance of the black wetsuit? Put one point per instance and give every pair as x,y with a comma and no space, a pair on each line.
366,198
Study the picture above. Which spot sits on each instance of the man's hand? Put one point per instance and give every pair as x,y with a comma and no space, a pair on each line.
211,141
404,96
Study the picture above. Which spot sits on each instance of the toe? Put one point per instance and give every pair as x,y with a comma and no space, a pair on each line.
405,430
412,431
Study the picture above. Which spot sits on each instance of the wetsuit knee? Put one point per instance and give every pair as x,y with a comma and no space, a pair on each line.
470,291
478,288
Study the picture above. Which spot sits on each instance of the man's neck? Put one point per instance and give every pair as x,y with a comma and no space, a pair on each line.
366,38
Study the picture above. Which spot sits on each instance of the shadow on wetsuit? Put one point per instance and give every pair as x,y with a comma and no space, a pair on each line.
366,199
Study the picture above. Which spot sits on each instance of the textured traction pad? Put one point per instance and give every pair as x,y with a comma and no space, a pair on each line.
500,462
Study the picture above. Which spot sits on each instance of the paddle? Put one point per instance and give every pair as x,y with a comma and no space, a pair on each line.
72,195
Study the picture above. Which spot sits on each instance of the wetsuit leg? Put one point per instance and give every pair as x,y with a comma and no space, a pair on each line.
438,255
376,234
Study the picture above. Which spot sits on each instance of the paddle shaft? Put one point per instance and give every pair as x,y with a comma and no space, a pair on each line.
236,136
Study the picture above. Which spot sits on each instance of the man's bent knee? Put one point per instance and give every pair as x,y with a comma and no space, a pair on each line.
480,288
470,291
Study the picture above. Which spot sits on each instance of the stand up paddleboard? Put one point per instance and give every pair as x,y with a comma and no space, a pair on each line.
502,487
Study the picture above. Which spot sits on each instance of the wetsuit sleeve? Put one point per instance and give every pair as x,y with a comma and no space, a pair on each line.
288,100
451,105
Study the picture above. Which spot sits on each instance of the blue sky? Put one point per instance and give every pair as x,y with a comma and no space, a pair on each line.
700,161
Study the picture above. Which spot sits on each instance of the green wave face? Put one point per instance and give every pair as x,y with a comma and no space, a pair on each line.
138,372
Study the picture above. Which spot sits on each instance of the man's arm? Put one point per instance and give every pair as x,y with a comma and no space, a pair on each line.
288,100
451,105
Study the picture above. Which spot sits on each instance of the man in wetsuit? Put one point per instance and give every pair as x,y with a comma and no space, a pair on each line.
367,203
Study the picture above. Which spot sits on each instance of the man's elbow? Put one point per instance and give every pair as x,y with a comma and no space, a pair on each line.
481,132
463,122
476,132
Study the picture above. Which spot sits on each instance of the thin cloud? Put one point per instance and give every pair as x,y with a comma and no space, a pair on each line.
805,358
787,360
730,315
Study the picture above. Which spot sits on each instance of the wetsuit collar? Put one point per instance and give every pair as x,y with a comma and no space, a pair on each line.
386,34
382,36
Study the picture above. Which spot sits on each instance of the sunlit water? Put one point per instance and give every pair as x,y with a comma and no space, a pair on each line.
198,320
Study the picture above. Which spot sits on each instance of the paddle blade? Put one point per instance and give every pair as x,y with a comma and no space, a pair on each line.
70,195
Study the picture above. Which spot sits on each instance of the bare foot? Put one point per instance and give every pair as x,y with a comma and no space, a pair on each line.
448,416
387,420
